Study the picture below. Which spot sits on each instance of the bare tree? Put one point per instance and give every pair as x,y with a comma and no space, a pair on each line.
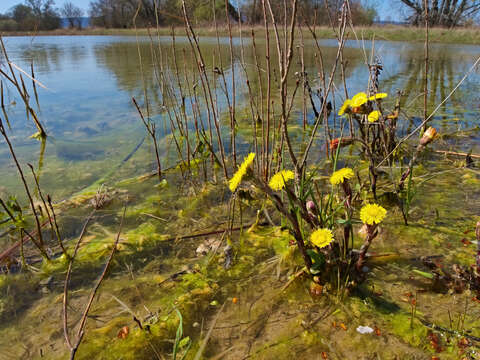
448,13
73,15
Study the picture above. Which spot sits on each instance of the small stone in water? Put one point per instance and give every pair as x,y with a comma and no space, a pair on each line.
364,330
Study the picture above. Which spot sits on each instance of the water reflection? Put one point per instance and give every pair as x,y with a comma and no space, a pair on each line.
92,124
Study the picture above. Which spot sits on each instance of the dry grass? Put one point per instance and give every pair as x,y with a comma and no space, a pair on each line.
390,32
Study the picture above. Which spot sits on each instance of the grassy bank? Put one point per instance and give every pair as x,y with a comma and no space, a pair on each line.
391,33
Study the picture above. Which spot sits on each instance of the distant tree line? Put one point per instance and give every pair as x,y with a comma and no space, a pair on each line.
319,12
121,13
35,15
42,14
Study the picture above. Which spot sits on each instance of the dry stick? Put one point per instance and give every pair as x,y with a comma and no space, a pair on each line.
57,230
477,235
195,115
253,105
215,232
6,253
454,153
290,215
27,190
232,107
198,355
209,103
433,112
284,70
54,229
371,234
266,129
221,73
1,94
81,332
425,86
151,130
305,83
14,81
172,124
183,132
140,58
209,116
332,73
67,280
205,82
34,84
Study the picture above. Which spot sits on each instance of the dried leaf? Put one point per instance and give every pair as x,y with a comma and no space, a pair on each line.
123,332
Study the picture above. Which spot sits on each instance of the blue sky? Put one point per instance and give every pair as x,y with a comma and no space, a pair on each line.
5,5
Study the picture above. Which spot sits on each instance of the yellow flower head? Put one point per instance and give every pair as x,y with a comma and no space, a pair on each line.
321,237
378,96
345,107
339,176
248,160
277,182
242,170
373,116
359,99
372,214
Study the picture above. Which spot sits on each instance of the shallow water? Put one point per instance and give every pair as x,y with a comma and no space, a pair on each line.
95,134
92,124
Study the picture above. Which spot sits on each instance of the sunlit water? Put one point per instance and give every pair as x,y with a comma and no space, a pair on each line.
92,123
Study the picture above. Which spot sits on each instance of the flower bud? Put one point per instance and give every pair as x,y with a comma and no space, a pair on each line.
428,136
311,206
340,141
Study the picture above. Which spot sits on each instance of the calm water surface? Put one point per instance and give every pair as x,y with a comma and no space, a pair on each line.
90,80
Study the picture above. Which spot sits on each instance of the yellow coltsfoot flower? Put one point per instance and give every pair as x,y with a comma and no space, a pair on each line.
359,99
339,176
345,109
321,237
278,181
240,173
374,116
372,214
378,96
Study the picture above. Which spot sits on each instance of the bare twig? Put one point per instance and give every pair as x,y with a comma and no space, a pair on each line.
81,329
